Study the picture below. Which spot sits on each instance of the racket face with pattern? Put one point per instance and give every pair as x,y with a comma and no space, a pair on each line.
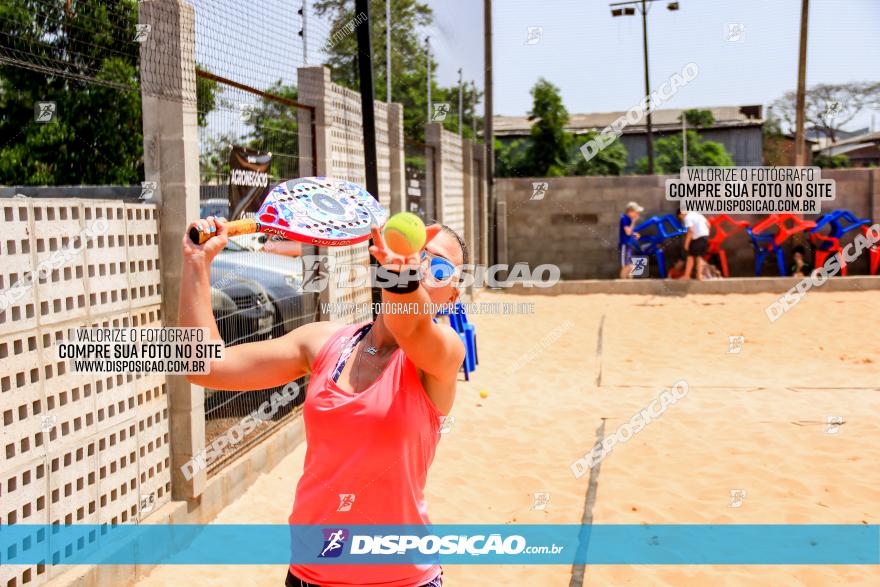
320,211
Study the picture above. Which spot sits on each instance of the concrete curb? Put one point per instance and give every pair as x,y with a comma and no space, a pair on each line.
676,287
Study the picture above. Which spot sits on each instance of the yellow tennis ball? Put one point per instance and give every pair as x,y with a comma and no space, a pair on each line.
404,233
484,394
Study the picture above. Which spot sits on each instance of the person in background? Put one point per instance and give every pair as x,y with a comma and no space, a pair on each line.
799,265
710,271
625,233
696,243
677,270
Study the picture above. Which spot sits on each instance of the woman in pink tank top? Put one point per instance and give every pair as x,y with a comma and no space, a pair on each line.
372,415
374,401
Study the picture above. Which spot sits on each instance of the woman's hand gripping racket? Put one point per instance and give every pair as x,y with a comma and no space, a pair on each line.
315,210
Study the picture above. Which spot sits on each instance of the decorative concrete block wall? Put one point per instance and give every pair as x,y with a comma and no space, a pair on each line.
450,179
339,142
77,447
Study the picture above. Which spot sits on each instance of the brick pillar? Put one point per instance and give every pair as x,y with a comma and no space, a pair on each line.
467,170
312,83
434,139
481,202
398,167
171,159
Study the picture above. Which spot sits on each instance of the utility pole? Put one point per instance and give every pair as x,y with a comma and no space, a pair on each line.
684,139
800,147
650,135
474,110
388,51
428,57
460,102
303,32
488,131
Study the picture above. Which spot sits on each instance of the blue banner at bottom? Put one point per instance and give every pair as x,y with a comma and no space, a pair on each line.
538,544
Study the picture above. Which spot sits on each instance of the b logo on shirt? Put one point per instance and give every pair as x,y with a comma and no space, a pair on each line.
346,500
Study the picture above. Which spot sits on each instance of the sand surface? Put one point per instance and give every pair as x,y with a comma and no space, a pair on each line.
753,420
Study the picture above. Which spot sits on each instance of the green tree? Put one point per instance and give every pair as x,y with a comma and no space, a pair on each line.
548,151
276,131
830,161
830,107
608,161
95,133
408,65
95,136
206,98
510,158
701,153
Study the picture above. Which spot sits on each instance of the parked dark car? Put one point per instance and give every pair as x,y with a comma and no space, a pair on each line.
242,310
214,207
278,275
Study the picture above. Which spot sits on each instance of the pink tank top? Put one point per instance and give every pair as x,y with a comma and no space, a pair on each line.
367,461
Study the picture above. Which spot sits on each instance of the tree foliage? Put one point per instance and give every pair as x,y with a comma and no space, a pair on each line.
551,150
700,152
608,161
829,107
830,161
550,145
96,135
409,70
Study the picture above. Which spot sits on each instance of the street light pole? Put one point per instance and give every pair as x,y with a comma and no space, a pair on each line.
428,57
629,11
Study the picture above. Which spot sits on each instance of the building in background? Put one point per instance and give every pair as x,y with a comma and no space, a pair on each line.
861,150
738,128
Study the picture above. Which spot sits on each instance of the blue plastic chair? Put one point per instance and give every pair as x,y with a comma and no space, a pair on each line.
467,333
663,228
764,244
466,326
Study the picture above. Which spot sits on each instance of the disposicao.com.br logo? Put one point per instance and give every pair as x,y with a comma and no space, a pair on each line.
430,544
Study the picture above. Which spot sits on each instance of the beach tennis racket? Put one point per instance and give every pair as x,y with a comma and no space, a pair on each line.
315,210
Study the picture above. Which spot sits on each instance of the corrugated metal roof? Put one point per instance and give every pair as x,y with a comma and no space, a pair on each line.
664,119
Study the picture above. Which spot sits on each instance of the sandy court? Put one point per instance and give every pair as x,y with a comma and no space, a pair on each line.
753,421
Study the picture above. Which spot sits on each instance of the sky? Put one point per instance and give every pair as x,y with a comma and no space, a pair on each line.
596,60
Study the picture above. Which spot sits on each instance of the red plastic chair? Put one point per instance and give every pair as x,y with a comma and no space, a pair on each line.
822,251
874,252
766,243
721,235
785,231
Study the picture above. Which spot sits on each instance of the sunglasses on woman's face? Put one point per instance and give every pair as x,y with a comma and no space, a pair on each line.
438,268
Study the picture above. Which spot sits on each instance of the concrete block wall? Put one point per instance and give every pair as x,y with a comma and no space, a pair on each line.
575,224
77,447
450,178
340,153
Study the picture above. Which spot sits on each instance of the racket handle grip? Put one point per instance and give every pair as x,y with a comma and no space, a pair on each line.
245,226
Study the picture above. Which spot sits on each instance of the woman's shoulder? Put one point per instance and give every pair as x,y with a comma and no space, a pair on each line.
321,334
